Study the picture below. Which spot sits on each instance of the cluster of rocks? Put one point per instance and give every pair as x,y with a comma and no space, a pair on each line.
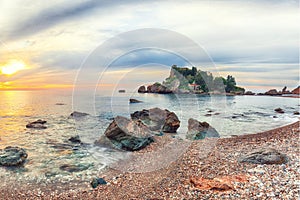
281,111
284,91
16,156
139,131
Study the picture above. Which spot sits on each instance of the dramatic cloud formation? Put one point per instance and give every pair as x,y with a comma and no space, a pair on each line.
255,41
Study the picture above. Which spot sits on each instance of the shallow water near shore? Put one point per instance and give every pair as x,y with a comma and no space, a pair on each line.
49,149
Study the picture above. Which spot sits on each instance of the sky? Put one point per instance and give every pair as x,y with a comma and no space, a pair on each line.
55,43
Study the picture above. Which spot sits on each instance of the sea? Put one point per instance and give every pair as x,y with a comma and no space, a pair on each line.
52,158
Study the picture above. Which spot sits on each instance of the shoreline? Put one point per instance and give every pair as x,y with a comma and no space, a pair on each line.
173,181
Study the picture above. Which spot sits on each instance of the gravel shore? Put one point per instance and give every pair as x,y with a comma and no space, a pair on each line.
246,181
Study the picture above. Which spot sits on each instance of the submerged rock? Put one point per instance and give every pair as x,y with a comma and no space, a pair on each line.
75,139
12,156
279,110
98,181
60,104
200,130
158,120
264,156
78,114
134,101
73,168
128,135
38,124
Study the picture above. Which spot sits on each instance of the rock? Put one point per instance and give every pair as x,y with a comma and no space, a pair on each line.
156,119
142,89
75,139
73,168
60,104
134,101
224,183
279,110
272,92
38,124
12,156
171,124
158,88
296,90
98,181
264,156
200,130
296,113
285,91
78,114
249,93
128,135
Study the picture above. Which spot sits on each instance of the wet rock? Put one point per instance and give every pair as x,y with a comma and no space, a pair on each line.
171,124
75,139
279,110
78,114
12,156
38,124
157,119
296,113
73,168
134,101
98,181
264,156
128,135
200,130
142,89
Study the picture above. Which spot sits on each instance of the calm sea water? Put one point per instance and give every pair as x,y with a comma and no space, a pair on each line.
49,149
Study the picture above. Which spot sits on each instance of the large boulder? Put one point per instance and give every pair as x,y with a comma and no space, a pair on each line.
157,119
158,88
12,156
200,130
264,156
38,124
128,135
171,124
142,89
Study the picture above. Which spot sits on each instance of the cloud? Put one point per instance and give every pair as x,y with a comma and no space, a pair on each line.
58,13
240,36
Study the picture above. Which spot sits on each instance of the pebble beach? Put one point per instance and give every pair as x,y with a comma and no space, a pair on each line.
196,175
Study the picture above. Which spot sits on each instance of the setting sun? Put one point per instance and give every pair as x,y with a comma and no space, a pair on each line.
12,67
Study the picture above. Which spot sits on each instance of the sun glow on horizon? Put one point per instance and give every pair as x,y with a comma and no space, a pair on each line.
12,67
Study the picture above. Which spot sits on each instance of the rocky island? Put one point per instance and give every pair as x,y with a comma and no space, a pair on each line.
183,80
